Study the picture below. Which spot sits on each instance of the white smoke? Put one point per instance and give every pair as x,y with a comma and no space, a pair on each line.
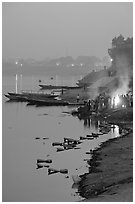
124,73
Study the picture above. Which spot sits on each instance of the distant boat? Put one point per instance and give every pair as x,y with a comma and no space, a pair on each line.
44,86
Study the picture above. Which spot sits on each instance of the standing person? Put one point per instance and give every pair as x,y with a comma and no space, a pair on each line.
109,102
131,101
113,102
77,98
96,105
92,105
62,91
89,104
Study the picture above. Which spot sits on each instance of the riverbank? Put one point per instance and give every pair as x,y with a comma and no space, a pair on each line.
111,167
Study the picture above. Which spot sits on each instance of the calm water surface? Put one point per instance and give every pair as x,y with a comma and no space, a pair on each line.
22,182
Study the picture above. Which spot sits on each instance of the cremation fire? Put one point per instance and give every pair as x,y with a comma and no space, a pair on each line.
121,99
117,100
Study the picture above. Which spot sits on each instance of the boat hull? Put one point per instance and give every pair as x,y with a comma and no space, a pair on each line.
49,87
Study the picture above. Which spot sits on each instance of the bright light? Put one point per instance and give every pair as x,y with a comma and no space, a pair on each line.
16,62
117,100
111,59
123,106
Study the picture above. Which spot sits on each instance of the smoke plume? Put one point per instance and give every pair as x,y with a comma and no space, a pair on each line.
124,73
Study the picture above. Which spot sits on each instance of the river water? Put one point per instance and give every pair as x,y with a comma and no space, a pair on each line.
21,124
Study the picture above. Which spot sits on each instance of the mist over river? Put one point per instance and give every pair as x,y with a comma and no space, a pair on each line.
22,181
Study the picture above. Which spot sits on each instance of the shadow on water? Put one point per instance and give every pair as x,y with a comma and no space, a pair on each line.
10,101
13,102
90,122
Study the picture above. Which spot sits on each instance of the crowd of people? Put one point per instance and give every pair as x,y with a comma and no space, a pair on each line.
104,102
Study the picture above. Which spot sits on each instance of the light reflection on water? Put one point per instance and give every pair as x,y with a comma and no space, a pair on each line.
22,182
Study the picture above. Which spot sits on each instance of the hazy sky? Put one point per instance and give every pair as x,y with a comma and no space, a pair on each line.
41,30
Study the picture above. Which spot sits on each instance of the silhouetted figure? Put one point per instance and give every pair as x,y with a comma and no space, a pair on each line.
89,122
85,122
131,101
77,98
113,102
89,104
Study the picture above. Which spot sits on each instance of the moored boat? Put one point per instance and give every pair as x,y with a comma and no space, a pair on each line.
16,97
45,86
28,96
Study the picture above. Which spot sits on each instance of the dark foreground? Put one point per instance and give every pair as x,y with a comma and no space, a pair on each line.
111,172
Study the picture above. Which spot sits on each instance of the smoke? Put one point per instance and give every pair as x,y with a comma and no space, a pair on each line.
124,73
118,82
97,80
92,93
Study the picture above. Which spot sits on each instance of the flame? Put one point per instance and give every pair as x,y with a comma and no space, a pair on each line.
117,100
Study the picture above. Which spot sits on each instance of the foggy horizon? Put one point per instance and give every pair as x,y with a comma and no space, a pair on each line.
67,101
52,30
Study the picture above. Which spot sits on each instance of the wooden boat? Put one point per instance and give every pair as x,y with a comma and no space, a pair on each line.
39,166
64,171
57,144
60,149
44,161
50,102
29,96
89,136
33,94
44,86
17,98
71,141
52,171
39,99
